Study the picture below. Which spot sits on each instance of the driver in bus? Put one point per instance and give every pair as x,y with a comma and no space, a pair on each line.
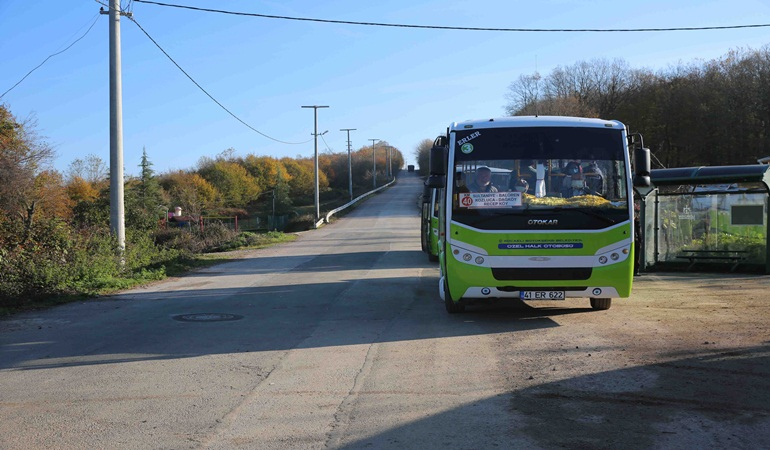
483,181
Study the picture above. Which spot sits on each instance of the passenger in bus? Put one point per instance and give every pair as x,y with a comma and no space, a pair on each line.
483,181
594,179
573,183
519,185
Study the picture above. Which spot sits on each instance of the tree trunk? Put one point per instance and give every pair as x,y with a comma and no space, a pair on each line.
30,214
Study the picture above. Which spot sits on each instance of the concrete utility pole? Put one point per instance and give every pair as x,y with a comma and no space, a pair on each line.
390,164
315,138
350,164
117,212
374,166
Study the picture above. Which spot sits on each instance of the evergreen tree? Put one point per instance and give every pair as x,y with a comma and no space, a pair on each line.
143,197
150,195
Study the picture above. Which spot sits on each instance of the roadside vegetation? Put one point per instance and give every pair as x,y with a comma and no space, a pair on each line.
55,238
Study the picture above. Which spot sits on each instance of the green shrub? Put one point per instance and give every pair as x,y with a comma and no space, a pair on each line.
301,223
57,260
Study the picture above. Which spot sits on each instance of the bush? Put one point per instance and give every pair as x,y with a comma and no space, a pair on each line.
248,239
36,266
300,223
57,260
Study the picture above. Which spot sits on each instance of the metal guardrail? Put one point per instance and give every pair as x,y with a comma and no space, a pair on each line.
329,214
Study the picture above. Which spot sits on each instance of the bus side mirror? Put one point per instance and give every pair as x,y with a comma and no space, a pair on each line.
438,162
436,181
426,193
642,167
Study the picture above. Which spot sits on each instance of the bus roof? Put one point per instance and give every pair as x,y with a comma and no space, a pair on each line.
536,121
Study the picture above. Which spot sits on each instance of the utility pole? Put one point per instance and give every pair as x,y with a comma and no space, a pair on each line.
374,166
350,164
315,138
390,164
117,211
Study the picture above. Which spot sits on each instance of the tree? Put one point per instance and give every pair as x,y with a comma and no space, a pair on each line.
90,205
335,168
283,202
92,169
523,96
149,192
266,170
422,155
302,182
236,186
593,88
362,168
23,158
397,159
189,191
51,195
79,190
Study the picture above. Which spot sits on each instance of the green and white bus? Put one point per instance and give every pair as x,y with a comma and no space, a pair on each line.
535,208
430,212
429,222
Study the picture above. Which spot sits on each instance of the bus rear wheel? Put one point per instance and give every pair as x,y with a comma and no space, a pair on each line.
601,303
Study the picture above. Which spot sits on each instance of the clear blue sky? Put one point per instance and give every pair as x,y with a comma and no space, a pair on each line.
396,84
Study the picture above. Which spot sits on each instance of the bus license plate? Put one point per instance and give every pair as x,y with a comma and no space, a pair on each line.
542,295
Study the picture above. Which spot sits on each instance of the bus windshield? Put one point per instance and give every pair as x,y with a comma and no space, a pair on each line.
577,174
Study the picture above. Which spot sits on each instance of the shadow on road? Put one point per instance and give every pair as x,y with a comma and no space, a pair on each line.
280,317
717,399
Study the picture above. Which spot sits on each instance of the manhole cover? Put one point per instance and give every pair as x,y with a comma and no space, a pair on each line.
207,317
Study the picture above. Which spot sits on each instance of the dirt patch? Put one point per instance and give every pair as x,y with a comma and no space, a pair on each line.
684,362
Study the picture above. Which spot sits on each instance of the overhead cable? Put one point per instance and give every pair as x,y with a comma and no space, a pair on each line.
327,145
439,27
96,18
206,92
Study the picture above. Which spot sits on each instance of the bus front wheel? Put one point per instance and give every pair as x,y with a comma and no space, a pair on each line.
601,303
452,307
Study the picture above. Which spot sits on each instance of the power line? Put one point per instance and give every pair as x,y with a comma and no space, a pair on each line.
439,27
327,145
209,95
51,56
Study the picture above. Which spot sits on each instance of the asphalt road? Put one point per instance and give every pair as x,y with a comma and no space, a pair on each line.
339,340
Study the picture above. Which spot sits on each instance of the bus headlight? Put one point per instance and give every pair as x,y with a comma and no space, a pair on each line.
612,256
470,256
